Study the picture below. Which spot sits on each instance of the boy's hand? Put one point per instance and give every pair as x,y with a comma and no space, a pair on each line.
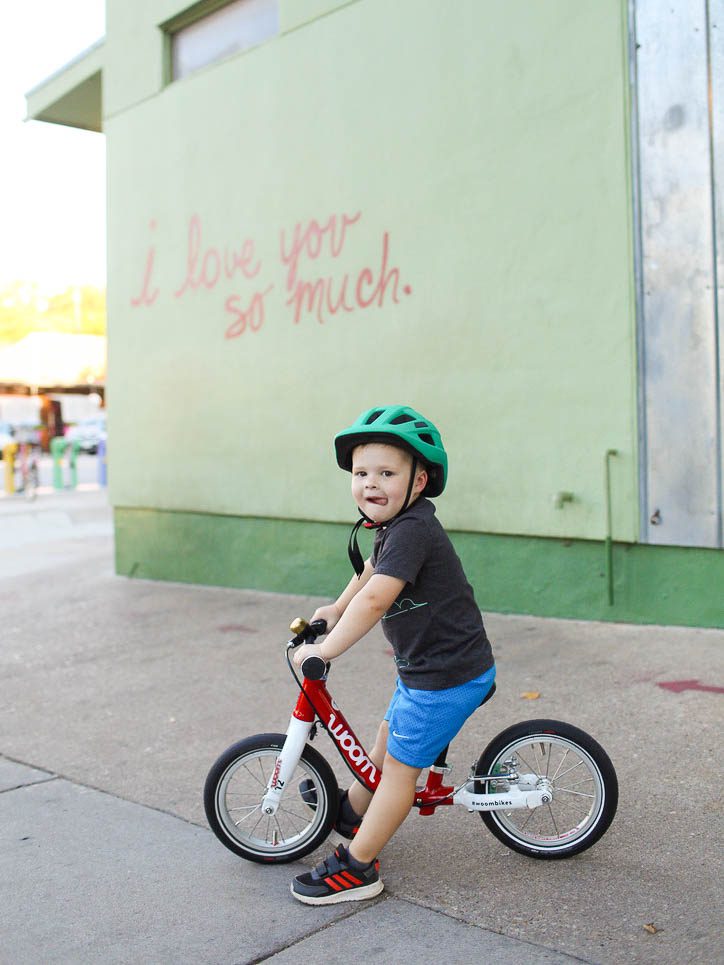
330,613
306,650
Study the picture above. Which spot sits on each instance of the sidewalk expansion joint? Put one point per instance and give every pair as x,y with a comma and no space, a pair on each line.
58,776
20,787
354,909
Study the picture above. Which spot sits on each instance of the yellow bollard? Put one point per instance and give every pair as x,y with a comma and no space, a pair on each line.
9,453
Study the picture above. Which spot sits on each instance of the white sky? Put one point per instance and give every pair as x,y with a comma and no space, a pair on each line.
52,189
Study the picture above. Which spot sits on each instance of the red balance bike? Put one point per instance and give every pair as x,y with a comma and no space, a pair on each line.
542,787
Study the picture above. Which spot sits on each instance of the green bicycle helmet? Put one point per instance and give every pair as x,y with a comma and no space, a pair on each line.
397,425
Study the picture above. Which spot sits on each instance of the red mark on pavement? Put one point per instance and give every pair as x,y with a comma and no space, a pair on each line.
679,686
235,628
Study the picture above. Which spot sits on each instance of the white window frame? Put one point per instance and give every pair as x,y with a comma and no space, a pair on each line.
213,30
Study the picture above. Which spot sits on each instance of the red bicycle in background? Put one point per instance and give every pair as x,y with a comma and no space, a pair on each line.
543,787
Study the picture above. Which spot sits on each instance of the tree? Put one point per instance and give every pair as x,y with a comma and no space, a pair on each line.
26,307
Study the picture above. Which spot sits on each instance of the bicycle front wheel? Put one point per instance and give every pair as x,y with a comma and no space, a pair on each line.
235,788
572,767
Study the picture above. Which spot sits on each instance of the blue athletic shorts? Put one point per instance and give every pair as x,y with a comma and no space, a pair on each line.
423,722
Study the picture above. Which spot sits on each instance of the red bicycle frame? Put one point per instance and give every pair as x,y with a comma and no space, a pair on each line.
316,701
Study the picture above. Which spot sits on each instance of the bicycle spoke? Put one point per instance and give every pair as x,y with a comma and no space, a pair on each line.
563,759
241,793
578,764
573,784
567,790
553,819
263,781
585,780
302,818
538,767
527,821
521,757
279,829
261,818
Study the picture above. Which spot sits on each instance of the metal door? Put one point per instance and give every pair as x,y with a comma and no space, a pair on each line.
677,70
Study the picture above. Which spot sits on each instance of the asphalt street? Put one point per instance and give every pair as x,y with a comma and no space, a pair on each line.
117,695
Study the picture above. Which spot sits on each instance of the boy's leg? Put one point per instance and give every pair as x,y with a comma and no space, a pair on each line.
359,797
351,874
387,809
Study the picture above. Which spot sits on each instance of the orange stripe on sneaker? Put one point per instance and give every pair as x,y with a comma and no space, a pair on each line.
350,877
332,884
340,879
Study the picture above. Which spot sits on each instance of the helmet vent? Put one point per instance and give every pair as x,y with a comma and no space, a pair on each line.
373,416
401,426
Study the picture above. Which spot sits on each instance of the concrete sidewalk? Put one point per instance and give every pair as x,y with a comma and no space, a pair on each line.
117,695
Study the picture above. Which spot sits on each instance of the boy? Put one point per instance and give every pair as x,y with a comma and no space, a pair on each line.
415,584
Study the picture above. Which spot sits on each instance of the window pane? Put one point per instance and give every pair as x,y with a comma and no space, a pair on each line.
237,26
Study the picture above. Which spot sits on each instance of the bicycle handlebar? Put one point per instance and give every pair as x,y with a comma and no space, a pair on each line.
306,632
313,667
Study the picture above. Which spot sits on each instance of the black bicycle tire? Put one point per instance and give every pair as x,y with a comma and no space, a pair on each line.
568,732
244,748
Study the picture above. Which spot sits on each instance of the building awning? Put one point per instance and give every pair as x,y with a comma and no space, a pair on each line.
73,96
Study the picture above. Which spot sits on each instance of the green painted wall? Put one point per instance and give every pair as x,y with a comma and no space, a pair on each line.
481,159
545,577
386,202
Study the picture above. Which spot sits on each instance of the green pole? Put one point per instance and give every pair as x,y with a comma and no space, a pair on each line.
609,524
73,463
57,448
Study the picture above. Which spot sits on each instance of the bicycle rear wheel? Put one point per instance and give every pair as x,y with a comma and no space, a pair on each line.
234,790
568,763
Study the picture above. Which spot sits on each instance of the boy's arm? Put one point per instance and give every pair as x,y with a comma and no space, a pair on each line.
333,611
364,608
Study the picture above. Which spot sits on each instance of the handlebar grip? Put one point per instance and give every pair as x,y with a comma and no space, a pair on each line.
307,632
314,668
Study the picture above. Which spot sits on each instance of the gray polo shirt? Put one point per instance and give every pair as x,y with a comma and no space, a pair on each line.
434,626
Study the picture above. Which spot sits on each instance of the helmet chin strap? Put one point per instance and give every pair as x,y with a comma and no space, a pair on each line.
353,550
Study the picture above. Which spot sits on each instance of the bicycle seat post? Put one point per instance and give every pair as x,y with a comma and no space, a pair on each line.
434,787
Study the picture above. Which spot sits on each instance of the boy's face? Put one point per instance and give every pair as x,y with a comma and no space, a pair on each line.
380,477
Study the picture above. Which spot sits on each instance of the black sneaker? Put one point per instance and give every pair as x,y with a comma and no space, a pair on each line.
347,829
336,879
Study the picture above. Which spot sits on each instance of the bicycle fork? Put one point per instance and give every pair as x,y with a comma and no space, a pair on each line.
294,742
315,700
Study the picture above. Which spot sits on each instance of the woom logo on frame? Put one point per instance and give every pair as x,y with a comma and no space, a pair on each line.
348,743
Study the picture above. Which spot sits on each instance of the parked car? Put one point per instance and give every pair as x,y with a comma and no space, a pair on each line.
6,436
88,433
27,432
